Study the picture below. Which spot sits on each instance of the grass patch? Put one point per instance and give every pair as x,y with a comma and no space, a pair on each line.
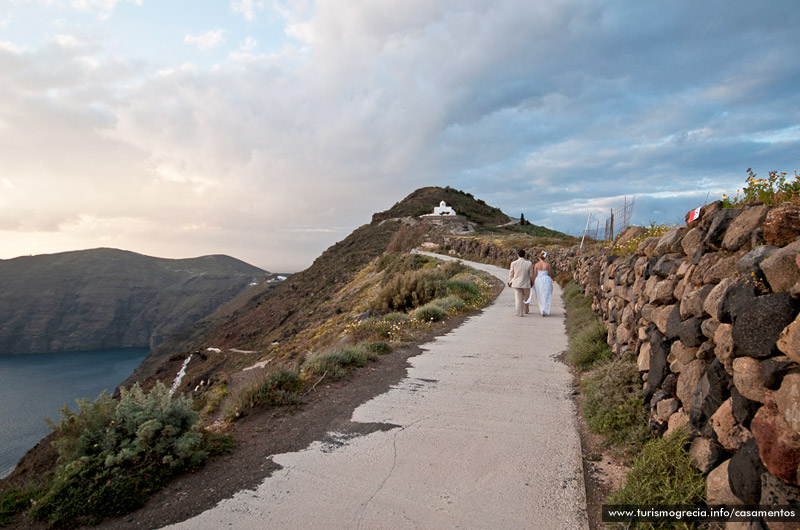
17,500
465,290
281,387
662,474
430,313
379,347
335,364
588,346
449,302
395,317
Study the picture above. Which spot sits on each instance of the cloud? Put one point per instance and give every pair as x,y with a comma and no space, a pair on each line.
206,41
104,8
552,109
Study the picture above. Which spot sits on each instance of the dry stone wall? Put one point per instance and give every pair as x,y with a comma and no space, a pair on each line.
710,310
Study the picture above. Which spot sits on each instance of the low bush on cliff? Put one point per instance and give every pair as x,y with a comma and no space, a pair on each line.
334,364
16,500
774,189
114,454
281,387
430,313
663,474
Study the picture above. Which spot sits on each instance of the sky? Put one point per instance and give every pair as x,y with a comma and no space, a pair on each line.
268,130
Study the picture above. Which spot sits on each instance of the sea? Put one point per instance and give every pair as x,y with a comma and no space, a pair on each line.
36,386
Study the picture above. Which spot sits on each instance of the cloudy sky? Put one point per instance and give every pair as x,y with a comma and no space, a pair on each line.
268,130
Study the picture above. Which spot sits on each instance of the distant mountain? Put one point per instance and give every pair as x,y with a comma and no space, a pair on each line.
108,298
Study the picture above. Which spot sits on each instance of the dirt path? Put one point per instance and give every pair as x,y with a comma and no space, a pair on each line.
481,433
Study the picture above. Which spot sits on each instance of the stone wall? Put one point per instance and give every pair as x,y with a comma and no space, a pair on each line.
710,310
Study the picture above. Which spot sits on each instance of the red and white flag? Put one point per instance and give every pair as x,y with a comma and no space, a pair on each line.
693,215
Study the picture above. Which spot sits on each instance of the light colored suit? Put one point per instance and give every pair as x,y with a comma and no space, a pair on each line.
520,277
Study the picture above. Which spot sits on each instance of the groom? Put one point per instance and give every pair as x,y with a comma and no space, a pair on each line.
520,277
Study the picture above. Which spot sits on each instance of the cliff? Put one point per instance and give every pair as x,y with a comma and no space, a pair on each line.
107,298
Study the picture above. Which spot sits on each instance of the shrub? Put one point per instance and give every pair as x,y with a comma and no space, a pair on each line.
663,474
395,317
467,291
430,313
614,405
772,190
589,346
451,268
406,238
412,289
114,454
16,500
379,347
334,364
449,302
281,387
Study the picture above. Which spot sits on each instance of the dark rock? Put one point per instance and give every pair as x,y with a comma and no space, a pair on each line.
757,238
670,243
706,351
667,264
739,295
718,225
780,268
775,492
659,349
749,267
670,384
782,225
692,303
723,268
693,241
741,228
690,332
712,391
707,213
744,410
773,370
706,453
703,266
753,334
744,473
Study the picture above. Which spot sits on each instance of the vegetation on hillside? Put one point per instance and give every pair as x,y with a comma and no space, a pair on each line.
775,189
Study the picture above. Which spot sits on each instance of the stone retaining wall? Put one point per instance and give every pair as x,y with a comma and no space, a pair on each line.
710,310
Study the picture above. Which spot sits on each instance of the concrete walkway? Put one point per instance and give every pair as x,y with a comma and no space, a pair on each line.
486,438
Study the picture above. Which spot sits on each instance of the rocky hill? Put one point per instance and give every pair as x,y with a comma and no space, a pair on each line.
108,298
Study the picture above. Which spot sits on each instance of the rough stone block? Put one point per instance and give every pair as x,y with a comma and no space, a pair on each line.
661,316
709,327
723,268
643,361
692,302
705,453
690,332
744,473
718,488
693,241
723,349
648,246
683,353
711,392
779,444
775,492
730,434
667,265
787,399
744,410
666,408
774,369
662,293
747,378
740,230
749,266
658,362
679,420
780,268
670,243
718,225
688,380
782,225
757,336
703,266
714,301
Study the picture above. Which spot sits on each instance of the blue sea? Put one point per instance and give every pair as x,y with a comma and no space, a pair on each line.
36,386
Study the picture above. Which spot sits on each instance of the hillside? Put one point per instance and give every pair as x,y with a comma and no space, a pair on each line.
108,298
423,200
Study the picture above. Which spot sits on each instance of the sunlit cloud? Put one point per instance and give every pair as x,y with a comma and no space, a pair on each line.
206,41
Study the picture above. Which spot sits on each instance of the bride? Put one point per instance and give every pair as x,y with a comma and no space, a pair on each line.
543,284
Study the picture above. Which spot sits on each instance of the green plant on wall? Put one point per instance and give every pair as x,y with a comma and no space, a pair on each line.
774,189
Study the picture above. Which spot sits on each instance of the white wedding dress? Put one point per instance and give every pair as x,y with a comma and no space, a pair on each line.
543,285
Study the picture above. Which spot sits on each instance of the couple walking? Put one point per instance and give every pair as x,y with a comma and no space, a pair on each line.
522,275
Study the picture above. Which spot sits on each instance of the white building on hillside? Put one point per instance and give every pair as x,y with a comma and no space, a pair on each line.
442,210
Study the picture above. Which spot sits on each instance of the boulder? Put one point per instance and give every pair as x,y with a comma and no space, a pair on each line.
690,332
648,246
657,364
670,243
740,230
711,392
682,353
688,380
756,336
707,214
667,265
749,266
744,473
715,300
774,369
706,351
643,361
679,420
787,399
670,384
709,327
683,269
723,268
703,266
789,340
705,453
780,268
662,292
718,488
692,303
723,349
730,433
693,242
680,288
747,378
744,410
779,444
661,316
782,225
775,492
666,408
718,225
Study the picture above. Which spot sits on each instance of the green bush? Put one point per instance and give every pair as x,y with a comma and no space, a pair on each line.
430,313
412,289
114,454
395,317
16,500
467,291
380,347
281,387
614,405
451,268
334,364
663,474
589,346
449,302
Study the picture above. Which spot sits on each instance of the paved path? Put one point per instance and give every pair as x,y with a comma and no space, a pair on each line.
486,438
